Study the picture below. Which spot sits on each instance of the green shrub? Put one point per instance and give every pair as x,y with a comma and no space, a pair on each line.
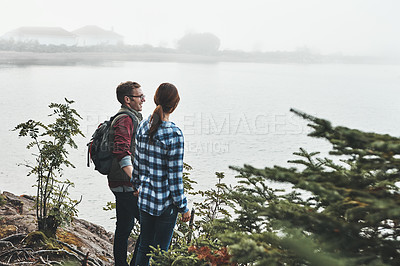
53,206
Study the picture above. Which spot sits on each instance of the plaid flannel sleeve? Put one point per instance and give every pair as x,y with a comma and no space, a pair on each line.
175,169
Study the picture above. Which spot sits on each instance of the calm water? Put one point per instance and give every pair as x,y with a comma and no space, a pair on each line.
230,113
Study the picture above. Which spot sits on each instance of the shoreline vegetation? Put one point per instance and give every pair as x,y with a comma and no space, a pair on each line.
51,57
191,48
351,216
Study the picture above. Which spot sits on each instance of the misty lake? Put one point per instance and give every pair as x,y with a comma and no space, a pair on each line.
230,113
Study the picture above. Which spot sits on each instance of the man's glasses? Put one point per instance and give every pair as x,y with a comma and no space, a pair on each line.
142,97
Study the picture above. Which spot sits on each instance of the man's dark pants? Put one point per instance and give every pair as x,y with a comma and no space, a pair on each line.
127,210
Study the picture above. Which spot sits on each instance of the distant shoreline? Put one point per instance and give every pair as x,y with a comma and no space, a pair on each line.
70,58
74,58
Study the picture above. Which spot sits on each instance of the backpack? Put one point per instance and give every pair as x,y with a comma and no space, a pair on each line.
100,146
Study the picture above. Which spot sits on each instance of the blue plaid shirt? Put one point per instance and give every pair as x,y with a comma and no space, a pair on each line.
157,168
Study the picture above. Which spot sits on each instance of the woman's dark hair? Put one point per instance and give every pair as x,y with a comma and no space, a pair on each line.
125,89
166,98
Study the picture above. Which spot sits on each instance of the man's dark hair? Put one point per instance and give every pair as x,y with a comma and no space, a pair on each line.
125,88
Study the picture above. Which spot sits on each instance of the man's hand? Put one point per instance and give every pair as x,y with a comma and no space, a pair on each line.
136,193
186,216
128,170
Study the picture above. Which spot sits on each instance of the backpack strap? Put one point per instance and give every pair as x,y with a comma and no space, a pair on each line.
115,118
130,114
88,153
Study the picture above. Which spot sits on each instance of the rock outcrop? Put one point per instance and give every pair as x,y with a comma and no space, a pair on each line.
81,241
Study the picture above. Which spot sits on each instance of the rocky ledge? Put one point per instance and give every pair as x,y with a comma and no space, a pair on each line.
80,243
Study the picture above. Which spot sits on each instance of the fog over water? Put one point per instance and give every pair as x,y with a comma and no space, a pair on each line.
231,113
357,27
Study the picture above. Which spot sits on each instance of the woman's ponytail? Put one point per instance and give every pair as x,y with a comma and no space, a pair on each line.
155,120
166,98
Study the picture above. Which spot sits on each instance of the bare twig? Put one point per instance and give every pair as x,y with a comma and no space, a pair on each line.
56,252
9,258
13,237
191,222
6,244
85,260
43,261
49,262
79,252
15,251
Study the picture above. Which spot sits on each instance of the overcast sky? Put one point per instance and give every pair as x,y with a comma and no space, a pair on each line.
351,27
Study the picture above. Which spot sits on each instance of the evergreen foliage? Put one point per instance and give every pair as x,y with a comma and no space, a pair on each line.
341,210
53,205
352,216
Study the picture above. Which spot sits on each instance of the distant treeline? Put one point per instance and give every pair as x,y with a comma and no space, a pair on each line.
184,48
34,46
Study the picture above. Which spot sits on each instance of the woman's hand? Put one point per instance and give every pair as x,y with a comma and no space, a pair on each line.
186,216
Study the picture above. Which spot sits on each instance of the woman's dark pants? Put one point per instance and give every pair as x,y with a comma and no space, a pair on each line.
155,231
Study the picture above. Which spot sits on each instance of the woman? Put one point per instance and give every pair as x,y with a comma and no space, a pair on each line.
157,174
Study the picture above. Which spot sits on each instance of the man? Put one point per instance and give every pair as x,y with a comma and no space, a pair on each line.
131,97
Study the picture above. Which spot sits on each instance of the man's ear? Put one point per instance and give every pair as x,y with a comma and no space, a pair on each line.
127,99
